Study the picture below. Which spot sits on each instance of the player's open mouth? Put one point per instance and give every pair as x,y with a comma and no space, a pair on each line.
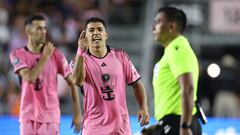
96,39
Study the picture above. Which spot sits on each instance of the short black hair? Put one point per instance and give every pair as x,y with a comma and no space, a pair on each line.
34,17
176,15
95,19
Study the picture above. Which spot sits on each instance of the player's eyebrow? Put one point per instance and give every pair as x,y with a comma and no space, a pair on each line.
41,27
92,28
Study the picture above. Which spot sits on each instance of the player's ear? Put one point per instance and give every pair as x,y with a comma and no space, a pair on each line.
172,26
106,35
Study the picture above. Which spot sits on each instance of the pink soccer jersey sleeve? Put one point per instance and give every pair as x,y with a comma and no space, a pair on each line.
130,71
18,61
79,51
62,63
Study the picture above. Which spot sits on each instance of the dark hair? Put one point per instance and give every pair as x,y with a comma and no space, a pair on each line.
32,18
176,15
95,19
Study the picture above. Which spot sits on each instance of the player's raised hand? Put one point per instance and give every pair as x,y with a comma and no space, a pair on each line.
82,41
143,117
48,49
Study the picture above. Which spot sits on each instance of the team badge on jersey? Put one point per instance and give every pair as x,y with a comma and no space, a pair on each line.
105,77
15,60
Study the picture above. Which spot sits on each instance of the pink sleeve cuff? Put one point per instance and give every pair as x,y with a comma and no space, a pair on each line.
80,52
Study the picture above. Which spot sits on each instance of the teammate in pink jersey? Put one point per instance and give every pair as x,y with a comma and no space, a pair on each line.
103,73
37,65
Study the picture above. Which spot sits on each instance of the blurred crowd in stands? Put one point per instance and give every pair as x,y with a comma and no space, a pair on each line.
65,22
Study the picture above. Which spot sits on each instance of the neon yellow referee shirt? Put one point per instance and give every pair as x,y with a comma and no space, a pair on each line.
178,59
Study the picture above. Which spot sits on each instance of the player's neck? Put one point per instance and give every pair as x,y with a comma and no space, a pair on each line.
34,47
99,52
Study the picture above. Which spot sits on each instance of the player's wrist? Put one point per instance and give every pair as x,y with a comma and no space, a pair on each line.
144,107
80,51
185,125
45,57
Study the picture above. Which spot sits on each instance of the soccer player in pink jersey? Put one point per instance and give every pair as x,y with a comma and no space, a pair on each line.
103,73
37,65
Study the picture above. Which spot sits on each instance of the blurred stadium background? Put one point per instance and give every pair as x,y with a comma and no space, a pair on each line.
213,30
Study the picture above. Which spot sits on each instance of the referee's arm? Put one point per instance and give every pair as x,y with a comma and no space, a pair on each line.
187,91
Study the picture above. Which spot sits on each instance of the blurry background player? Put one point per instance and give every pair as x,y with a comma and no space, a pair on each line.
37,65
175,77
104,73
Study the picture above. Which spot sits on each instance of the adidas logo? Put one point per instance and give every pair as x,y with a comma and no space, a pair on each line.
103,64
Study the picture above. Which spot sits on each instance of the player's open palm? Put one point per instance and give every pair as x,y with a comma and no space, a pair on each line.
48,49
82,41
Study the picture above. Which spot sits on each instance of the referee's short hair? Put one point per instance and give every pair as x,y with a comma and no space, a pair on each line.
176,15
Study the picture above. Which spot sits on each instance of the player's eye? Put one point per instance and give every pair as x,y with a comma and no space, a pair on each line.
40,28
100,29
90,30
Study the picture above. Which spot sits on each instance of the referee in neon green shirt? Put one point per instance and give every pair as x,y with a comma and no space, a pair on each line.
175,76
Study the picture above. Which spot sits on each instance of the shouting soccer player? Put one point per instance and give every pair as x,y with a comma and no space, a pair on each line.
103,73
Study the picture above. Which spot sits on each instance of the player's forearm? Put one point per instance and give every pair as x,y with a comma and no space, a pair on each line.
34,72
187,104
75,96
140,95
75,100
79,72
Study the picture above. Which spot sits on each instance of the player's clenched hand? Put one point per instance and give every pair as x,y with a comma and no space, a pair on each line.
48,49
77,123
143,117
82,41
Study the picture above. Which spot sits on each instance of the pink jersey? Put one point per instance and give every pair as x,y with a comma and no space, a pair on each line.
39,100
105,107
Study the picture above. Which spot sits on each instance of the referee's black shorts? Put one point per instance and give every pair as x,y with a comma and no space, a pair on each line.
170,124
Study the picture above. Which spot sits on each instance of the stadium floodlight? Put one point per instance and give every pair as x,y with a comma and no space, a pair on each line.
213,70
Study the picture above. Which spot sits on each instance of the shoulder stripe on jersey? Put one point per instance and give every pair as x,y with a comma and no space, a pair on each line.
134,81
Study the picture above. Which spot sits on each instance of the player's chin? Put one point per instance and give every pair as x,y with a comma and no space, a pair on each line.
42,40
96,46
156,38
159,39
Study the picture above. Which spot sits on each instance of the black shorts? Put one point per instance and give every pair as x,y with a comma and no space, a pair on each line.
170,124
